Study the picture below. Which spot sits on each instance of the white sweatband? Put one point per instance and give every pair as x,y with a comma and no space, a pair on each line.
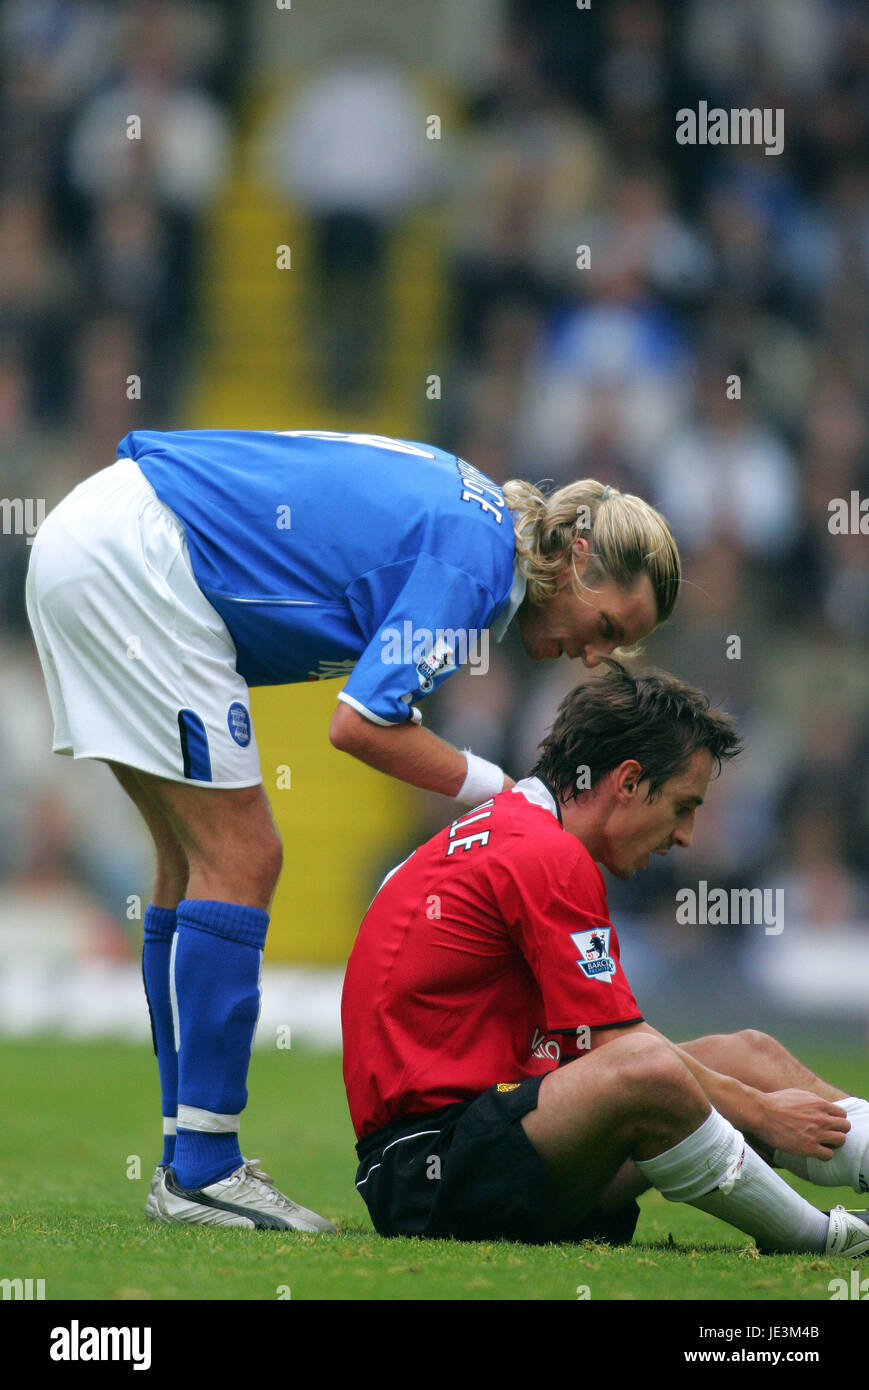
483,780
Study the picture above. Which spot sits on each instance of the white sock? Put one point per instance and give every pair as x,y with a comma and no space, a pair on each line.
849,1166
716,1171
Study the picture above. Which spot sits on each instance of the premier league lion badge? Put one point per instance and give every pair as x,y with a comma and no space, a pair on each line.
595,960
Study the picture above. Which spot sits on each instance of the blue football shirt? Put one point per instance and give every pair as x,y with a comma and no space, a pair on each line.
326,553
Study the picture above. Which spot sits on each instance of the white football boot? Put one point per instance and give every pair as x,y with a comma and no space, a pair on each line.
152,1203
848,1233
248,1197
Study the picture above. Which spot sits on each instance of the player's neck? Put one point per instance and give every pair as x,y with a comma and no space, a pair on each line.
585,818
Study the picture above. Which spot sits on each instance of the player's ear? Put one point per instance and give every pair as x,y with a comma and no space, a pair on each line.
628,776
579,557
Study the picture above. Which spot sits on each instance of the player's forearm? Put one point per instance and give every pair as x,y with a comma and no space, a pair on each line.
410,753
740,1104
413,755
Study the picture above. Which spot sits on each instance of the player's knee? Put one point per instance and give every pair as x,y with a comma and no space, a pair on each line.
249,861
708,1043
755,1039
269,858
654,1078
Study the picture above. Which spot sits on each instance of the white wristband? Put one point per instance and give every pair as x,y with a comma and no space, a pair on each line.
483,780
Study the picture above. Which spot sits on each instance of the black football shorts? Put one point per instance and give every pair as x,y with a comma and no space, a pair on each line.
469,1171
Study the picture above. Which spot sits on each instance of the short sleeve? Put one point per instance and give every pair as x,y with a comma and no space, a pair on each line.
559,921
437,622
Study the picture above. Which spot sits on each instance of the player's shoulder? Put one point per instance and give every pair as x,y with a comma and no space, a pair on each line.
540,845
530,809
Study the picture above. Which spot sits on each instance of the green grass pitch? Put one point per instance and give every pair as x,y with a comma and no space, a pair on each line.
75,1116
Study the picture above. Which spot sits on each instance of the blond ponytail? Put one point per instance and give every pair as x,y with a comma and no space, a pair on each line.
626,538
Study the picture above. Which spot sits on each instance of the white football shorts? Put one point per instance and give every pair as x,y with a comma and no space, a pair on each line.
140,669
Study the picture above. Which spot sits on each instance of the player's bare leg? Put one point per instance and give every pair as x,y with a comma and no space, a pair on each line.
172,869
628,1099
759,1060
218,860
228,839
170,886
635,1099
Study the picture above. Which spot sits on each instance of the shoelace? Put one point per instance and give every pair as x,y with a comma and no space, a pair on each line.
260,1178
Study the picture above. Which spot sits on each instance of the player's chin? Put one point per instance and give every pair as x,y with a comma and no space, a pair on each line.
628,870
622,870
533,649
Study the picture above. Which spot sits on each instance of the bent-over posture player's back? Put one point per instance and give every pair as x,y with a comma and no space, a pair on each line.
501,1080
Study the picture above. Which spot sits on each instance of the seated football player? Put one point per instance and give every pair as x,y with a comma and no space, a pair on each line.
501,1079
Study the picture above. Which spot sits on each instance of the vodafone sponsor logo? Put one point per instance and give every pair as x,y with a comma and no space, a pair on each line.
548,1049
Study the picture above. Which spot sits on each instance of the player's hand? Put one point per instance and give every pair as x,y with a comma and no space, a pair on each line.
799,1122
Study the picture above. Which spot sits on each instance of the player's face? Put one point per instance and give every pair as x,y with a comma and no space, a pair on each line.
588,625
638,828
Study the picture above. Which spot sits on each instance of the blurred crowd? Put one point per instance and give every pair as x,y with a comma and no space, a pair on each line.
709,353
711,356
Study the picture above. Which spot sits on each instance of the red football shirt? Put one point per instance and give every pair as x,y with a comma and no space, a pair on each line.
485,957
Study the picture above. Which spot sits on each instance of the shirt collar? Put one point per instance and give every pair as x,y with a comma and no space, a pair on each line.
517,594
539,793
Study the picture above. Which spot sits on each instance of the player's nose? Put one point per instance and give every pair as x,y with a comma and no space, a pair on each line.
683,835
593,652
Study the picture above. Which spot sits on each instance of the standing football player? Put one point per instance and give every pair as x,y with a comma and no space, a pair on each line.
202,563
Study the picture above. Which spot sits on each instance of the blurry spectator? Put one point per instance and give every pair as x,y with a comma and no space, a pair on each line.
821,891
53,53
37,297
622,341
641,233
728,474
351,150
481,406
793,40
635,74
526,169
181,152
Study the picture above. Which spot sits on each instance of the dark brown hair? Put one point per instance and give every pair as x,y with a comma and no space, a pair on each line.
654,718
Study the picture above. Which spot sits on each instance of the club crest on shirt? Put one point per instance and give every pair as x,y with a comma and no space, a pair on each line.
595,960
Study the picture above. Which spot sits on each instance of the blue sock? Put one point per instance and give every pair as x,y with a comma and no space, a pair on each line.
216,967
157,948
